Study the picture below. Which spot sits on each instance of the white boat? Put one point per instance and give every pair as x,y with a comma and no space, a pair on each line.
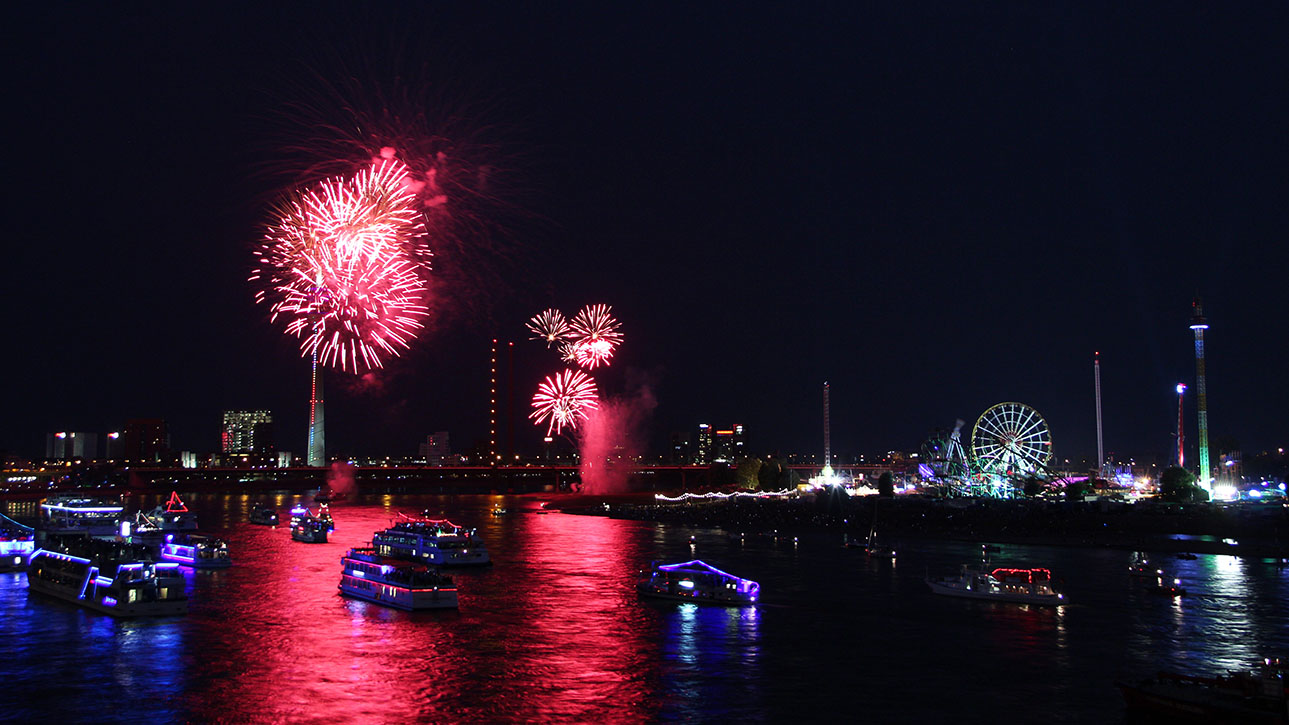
118,579
1019,586
438,542
173,516
310,530
367,575
196,551
696,581
80,515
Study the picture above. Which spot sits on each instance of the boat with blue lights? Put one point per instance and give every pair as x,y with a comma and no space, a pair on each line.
696,581
264,515
78,515
16,544
431,541
119,579
299,512
1002,584
196,551
365,574
311,530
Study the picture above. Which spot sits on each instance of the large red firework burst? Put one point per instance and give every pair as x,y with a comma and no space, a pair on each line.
344,263
564,400
594,335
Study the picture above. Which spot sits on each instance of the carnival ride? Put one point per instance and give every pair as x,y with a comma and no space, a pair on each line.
1009,443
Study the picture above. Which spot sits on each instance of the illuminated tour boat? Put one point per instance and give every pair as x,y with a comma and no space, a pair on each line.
1019,586
118,579
16,544
264,515
311,530
174,516
78,515
299,512
196,551
365,574
431,541
696,581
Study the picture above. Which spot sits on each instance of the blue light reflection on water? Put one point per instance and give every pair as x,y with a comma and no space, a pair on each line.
554,632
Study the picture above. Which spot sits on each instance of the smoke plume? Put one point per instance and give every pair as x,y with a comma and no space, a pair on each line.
610,441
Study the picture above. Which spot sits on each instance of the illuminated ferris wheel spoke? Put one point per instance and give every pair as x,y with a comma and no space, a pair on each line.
1011,438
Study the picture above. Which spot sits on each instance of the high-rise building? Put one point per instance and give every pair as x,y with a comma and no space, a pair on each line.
704,453
725,445
680,453
146,439
70,445
436,449
246,431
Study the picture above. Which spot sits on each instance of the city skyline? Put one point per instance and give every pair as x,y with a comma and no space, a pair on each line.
769,206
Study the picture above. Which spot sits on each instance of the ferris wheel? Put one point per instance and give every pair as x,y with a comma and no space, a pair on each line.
1011,439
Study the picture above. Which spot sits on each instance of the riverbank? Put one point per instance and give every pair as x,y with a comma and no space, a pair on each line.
1259,530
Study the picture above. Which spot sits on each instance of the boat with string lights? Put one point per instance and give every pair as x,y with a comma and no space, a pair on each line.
431,541
116,578
696,581
196,551
299,512
16,544
78,515
310,529
1254,695
1002,584
173,516
367,575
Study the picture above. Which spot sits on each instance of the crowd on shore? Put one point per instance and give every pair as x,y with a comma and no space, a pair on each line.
1261,530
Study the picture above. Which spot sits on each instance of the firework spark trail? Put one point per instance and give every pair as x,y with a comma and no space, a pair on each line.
343,264
564,400
550,326
595,336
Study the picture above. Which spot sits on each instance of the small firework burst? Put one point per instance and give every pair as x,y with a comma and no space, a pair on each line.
550,326
564,400
595,335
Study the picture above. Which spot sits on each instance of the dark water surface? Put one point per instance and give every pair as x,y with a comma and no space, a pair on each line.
554,632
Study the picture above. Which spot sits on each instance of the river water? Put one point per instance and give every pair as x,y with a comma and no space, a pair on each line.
553,631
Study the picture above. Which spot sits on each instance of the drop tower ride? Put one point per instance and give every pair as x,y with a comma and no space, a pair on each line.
1198,326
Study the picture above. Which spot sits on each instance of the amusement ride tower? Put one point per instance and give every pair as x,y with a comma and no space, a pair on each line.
1198,326
1096,376
826,472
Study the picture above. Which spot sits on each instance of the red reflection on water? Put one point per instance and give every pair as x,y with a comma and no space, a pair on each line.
551,631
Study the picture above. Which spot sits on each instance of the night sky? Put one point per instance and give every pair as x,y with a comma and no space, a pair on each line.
934,207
